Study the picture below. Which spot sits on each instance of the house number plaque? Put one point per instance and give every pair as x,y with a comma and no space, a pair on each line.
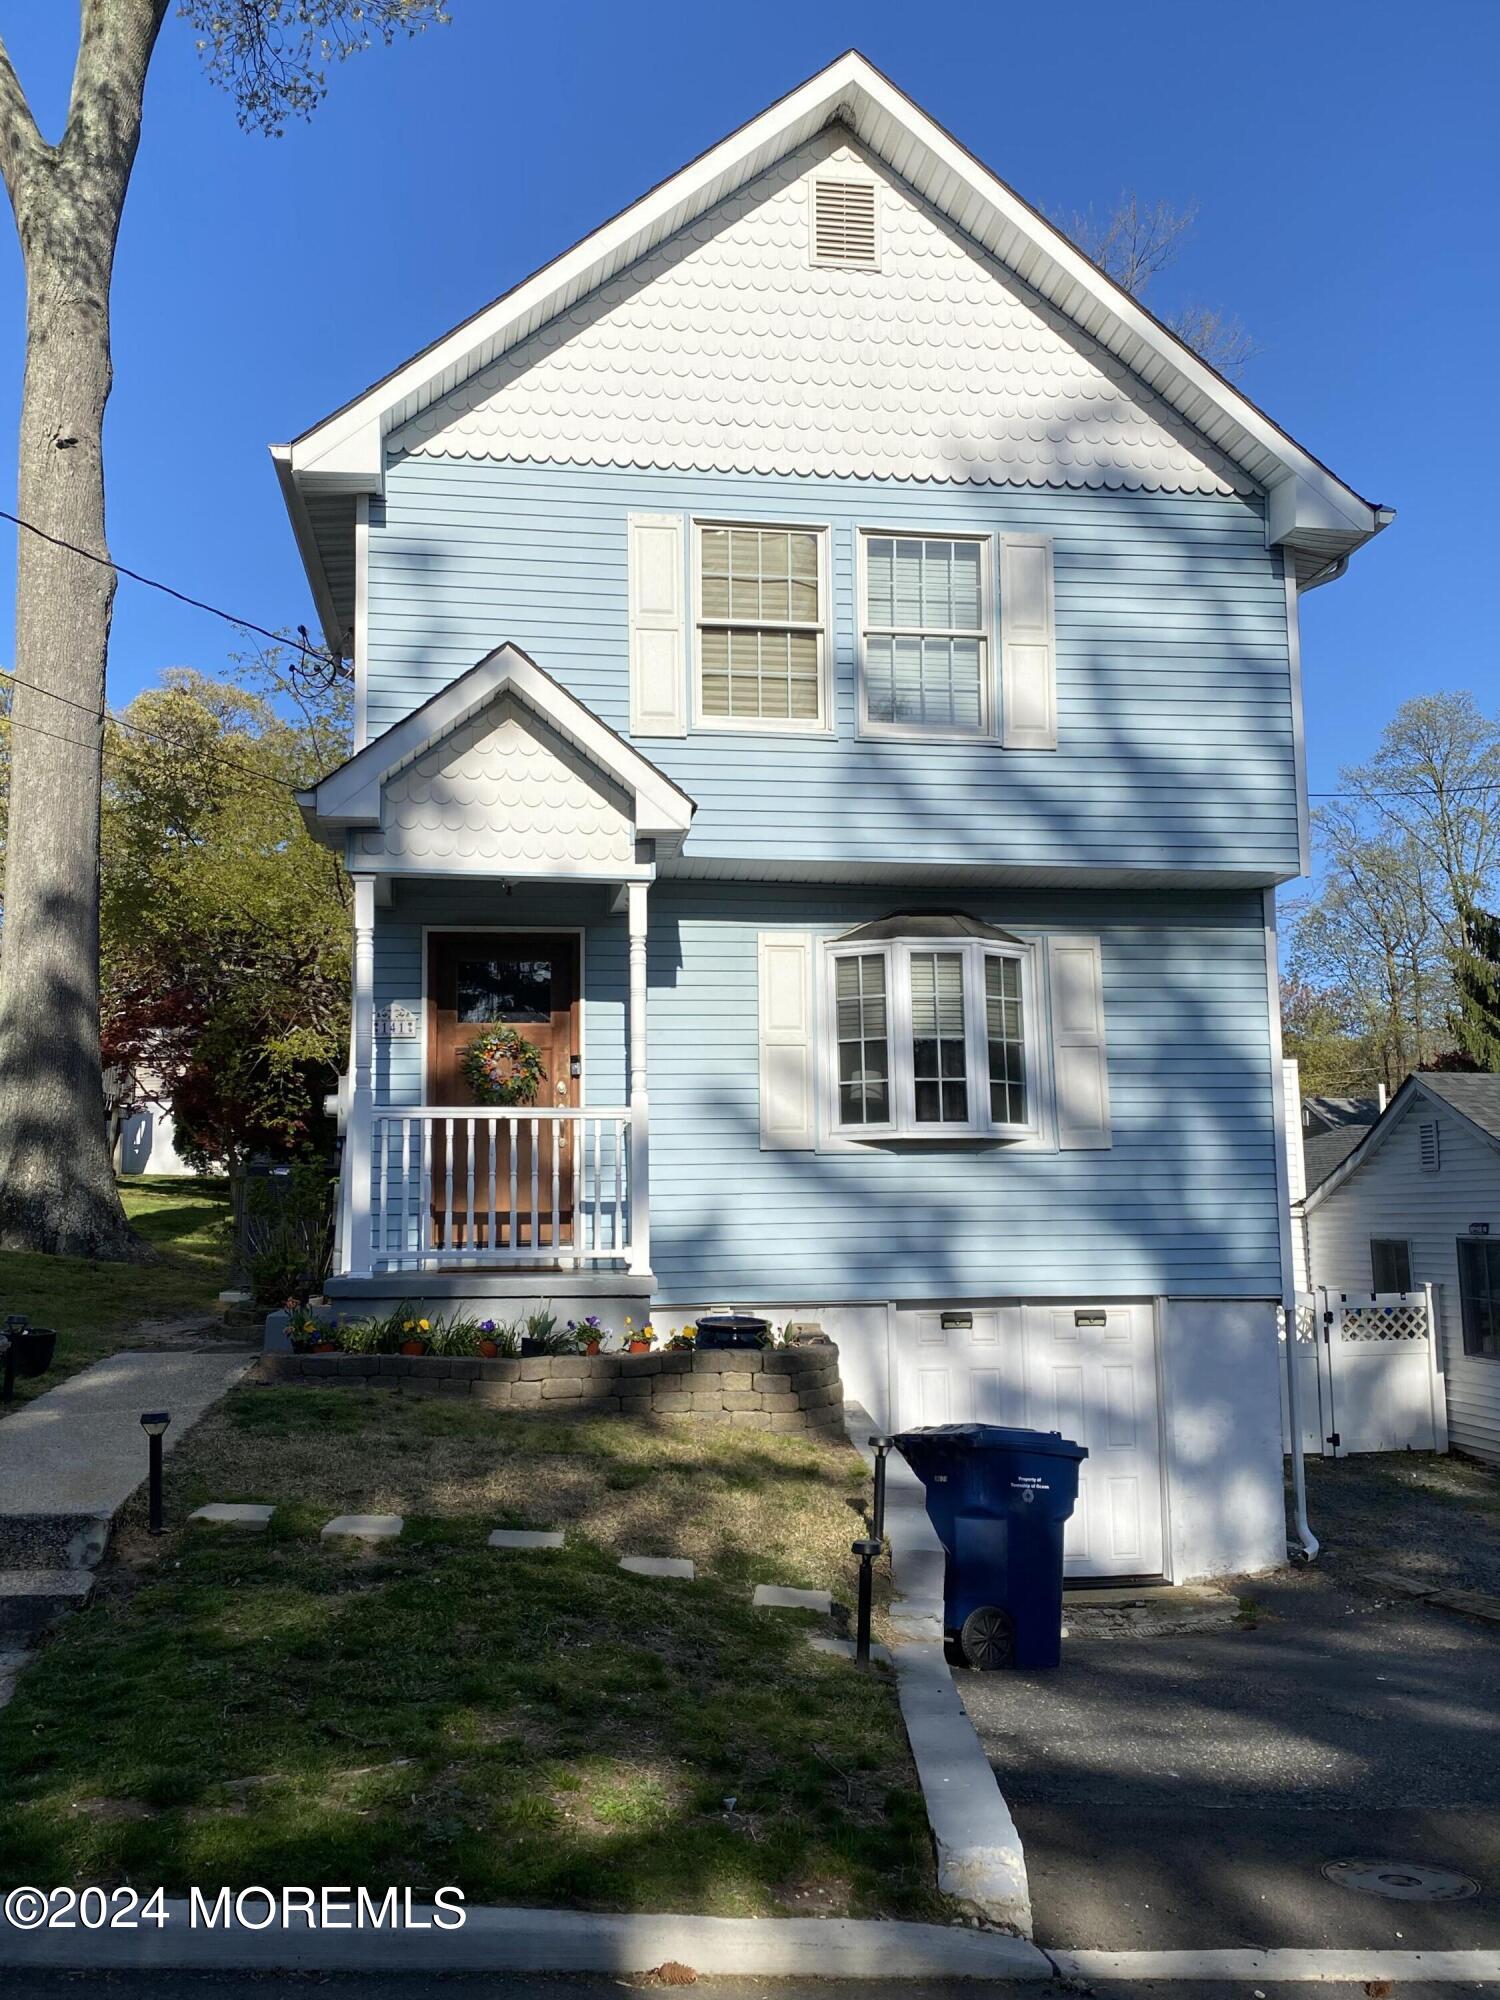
395,1024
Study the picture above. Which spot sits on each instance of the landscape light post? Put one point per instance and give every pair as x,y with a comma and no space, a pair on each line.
154,1423
867,1552
880,1446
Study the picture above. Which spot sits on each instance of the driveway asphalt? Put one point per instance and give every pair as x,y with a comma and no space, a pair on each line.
1188,1791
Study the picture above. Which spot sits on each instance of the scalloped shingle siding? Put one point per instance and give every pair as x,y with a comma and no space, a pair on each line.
727,350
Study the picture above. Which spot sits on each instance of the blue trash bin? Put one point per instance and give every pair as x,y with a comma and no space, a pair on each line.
999,1500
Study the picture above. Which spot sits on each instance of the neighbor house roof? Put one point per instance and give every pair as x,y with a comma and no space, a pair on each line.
1323,1114
1315,515
1323,1151
1475,1099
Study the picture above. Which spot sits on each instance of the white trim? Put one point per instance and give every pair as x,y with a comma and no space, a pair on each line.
1039,638
505,930
987,633
361,620
1278,1104
902,1127
1299,734
346,450
762,725
645,624
350,796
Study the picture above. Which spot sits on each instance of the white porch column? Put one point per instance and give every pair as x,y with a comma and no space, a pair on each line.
359,1137
640,1114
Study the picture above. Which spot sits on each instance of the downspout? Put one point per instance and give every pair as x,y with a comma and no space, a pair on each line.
1305,1535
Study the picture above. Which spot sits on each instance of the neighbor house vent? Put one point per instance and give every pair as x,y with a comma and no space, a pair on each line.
1427,1146
843,224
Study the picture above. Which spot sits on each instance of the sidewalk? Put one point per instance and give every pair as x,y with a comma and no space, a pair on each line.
71,1459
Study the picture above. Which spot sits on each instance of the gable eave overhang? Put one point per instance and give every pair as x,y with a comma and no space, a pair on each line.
349,797
1310,511
1381,1130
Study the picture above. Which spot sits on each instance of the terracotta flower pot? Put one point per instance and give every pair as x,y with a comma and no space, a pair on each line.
591,1347
489,1349
325,1347
640,1347
414,1347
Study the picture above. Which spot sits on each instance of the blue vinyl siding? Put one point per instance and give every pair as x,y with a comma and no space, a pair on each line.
1174,695
1183,1202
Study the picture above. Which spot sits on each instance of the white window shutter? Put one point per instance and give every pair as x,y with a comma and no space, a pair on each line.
658,628
788,1118
1028,652
1079,1062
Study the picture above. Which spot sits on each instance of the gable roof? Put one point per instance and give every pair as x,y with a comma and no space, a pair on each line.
1311,512
1323,1151
349,796
1475,1098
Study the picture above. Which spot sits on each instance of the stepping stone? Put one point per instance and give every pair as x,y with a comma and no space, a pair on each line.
526,1538
231,1514
658,1566
843,1649
786,1599
364,1527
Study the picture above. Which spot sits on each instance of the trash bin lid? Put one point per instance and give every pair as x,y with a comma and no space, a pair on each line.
992,1437
732,1322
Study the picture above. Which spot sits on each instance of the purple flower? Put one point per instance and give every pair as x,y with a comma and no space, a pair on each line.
486,1326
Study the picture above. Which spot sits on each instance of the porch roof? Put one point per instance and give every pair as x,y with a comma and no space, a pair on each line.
352,797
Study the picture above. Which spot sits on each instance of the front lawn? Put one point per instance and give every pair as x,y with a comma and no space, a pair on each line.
536,1728
96,1308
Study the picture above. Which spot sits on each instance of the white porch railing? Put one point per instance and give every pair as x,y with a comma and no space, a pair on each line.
454,1188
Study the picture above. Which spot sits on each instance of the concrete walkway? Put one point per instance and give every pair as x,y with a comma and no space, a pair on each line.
71,1458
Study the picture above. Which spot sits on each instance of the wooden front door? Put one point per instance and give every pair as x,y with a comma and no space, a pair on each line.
478,980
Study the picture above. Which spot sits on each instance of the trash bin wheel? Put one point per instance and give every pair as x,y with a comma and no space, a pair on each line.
988,1638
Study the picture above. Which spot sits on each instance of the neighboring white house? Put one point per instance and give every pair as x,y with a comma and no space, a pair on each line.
1416,1201
147,1134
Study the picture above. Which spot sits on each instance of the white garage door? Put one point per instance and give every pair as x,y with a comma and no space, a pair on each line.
1087,1371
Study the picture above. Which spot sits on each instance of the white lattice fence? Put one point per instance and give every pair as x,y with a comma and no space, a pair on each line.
1382,1389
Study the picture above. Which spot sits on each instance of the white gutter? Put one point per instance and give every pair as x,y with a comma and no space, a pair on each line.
1305,1535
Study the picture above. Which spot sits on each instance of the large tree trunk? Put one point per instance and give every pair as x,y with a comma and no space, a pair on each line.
57,1186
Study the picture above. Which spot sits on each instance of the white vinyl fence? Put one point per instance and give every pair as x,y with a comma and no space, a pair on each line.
1369,1373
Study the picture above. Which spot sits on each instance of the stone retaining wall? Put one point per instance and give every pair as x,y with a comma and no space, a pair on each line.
767,1389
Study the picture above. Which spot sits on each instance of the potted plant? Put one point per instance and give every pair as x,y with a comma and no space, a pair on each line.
414,1335
309,1335
639,1340
489,1347
543,1334
682,1340
588,1333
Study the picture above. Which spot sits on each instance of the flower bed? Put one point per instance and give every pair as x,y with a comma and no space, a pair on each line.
786,1389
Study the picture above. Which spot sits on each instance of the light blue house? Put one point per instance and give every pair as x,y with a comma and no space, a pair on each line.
827,679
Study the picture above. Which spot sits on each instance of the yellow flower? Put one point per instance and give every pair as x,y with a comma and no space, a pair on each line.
424,1326
408,1326
628,1320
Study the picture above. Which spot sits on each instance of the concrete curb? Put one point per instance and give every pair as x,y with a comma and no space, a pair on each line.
506,1940
980,1859
1296,1965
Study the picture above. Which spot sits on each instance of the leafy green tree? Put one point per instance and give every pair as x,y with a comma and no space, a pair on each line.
57,1189
225,931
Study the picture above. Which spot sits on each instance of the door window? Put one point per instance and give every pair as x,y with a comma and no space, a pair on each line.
503,989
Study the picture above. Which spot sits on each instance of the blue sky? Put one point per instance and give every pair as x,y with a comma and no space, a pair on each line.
1345,157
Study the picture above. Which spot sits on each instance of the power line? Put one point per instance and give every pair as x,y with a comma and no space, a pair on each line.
213,756
301,643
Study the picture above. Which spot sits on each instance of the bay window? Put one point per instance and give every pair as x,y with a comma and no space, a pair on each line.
932,1033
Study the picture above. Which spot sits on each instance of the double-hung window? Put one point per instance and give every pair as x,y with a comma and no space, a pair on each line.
932,1038
760,628
1479,1295
925,636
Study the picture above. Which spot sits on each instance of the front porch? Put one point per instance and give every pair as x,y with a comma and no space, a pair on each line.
503,798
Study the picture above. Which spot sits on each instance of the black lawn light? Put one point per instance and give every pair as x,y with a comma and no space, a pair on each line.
867,1552
880,1446
154,1423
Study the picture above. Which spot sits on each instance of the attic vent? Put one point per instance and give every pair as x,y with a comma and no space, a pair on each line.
843,224
1427,1146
